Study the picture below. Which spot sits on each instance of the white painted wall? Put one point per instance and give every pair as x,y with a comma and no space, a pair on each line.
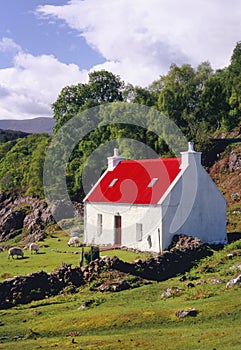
201,211
148,216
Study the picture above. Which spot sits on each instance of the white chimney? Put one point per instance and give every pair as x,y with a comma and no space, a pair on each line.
190,157
114,160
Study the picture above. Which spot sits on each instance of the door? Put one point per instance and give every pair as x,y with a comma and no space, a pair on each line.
117,229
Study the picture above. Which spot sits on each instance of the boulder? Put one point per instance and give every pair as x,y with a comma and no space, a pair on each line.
236,281
185,313
10,222
171,292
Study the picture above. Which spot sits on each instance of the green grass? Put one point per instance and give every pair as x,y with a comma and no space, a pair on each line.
53,251
137,318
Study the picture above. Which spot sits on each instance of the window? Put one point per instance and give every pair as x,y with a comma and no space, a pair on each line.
99,224
152,182
113,182
139,232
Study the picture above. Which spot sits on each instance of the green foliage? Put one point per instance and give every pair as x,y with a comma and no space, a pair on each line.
199,101
103,87
21,164
9,135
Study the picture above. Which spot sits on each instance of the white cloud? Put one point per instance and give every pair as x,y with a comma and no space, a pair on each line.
7,44
28,89
140,39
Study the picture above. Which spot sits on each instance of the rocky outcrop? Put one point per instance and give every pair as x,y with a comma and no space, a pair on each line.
31,215
182,255
38,285
22,213
234,161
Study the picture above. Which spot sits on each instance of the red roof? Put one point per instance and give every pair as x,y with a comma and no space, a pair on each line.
136,181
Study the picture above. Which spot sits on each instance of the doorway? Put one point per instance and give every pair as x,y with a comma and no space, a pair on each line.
117,229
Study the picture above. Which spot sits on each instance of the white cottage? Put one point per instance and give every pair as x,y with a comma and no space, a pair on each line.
142,204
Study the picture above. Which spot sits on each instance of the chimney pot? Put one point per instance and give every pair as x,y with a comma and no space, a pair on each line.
114,160
191,147
190,157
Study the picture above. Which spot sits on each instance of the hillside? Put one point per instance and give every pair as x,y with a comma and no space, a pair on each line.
144,315
226,173
32,126
9,135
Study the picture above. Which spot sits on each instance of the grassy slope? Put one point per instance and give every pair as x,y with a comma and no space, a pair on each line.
137,318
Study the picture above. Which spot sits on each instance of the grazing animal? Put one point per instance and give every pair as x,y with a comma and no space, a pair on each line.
34,247
15,251
74,241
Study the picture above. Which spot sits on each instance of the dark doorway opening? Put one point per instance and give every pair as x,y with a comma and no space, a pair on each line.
117,229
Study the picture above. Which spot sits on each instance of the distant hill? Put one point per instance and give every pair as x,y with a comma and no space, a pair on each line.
8,135
32,126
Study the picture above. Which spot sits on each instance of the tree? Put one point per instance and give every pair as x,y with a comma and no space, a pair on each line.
213,106
233,89
144,97
103,87
179,92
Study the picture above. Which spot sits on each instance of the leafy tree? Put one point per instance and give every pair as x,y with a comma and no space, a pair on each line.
179,93
144,97
233,89
213,106
103,87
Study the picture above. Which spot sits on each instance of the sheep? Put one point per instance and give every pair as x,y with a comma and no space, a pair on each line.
74,241
15,251
34,247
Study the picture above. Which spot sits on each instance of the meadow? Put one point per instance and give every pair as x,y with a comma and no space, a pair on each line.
137,318
54,251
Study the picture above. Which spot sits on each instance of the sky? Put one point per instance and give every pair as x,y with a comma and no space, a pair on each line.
46,45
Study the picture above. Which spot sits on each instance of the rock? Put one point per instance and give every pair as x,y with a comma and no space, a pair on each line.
31,215
116,286
183,242
171,292
185,313
217,281
234,267
38,285
11,221
190,285
236,281
63,209
236,196
86,304
234,161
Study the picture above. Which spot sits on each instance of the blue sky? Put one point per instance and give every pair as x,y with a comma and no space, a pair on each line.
48,44
19,20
